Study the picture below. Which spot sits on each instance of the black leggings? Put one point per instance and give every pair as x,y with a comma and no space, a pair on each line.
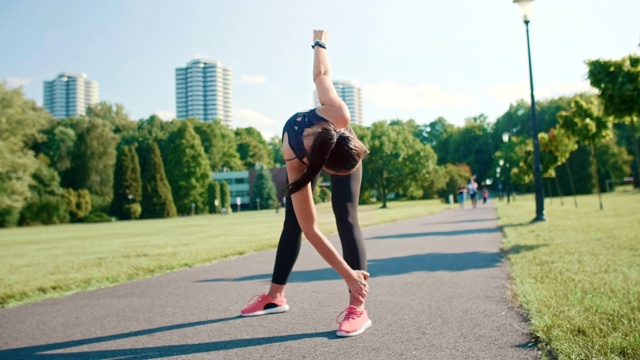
345,191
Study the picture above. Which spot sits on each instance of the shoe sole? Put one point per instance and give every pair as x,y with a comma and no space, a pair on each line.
355,333
276,310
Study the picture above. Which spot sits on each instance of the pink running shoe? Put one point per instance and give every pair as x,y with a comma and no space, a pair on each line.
355,322
264,305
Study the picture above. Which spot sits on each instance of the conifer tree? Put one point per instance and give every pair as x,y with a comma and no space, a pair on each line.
188,170
127,185
157,201
225,196
264,190
214,197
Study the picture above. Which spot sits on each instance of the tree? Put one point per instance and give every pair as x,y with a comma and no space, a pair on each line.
618,83
21,123
93,159
556,146
127,184
189,170
46,204
397,162
214,197
433,132
157,201
225,197
252,148
264,190
586,122
78,202
275,145
219,144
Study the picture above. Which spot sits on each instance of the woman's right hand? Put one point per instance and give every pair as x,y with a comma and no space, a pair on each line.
358,284
320,35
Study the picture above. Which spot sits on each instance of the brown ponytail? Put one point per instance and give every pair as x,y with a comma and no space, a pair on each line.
337,150
326,136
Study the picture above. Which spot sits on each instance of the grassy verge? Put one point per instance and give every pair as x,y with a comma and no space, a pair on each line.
44,262
578,274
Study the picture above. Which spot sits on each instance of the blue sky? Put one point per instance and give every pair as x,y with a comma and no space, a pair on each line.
413,59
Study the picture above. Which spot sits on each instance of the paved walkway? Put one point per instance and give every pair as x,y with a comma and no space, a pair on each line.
438,291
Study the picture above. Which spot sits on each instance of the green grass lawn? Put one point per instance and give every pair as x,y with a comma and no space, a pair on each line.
49,261
577,275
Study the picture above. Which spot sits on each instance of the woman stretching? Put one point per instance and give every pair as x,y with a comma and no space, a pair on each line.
311,141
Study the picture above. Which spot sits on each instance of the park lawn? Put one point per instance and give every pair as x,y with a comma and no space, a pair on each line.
51,261
577,275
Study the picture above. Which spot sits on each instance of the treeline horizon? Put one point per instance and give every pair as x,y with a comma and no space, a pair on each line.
104,165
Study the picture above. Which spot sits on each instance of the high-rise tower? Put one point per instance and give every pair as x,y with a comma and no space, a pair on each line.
70,94
203,91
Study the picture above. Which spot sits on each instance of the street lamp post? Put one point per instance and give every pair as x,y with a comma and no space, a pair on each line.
525,8
505,139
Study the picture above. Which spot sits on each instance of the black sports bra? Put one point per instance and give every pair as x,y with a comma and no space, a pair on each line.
294,128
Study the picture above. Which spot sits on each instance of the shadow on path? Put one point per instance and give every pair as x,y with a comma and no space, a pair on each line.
154,352
395,266
460,221
436,233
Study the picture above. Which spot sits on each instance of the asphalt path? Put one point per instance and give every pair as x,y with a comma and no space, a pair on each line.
439,290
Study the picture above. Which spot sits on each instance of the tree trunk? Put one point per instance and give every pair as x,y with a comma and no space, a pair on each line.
594,170
559,191
573,187
550,193
636,148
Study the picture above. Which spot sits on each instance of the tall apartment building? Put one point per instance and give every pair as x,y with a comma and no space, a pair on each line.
351,95
203,91
70,94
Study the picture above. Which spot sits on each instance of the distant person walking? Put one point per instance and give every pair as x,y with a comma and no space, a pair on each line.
314,140
472,187
462,189
485,195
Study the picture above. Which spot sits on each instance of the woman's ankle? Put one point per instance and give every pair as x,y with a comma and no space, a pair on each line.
276,291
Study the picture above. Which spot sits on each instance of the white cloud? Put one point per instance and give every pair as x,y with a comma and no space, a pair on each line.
392,95
15,82
250,118
520,90
165,115
253,79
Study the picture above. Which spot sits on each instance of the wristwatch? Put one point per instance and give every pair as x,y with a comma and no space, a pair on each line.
319,43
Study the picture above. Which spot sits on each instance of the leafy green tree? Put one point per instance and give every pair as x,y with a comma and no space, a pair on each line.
454,175
219,143
397,162
21,125
556,146
587,123
275,145
225,197
264,190
157,201
127,184
93,158
434,132
188,170
618,83
214,197
252,148
115,115
46,205
78,202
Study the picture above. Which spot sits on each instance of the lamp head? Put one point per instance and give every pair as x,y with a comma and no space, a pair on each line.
525,9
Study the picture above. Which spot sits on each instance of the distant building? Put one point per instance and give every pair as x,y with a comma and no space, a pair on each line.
203,91
351,95
241,184
69,95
